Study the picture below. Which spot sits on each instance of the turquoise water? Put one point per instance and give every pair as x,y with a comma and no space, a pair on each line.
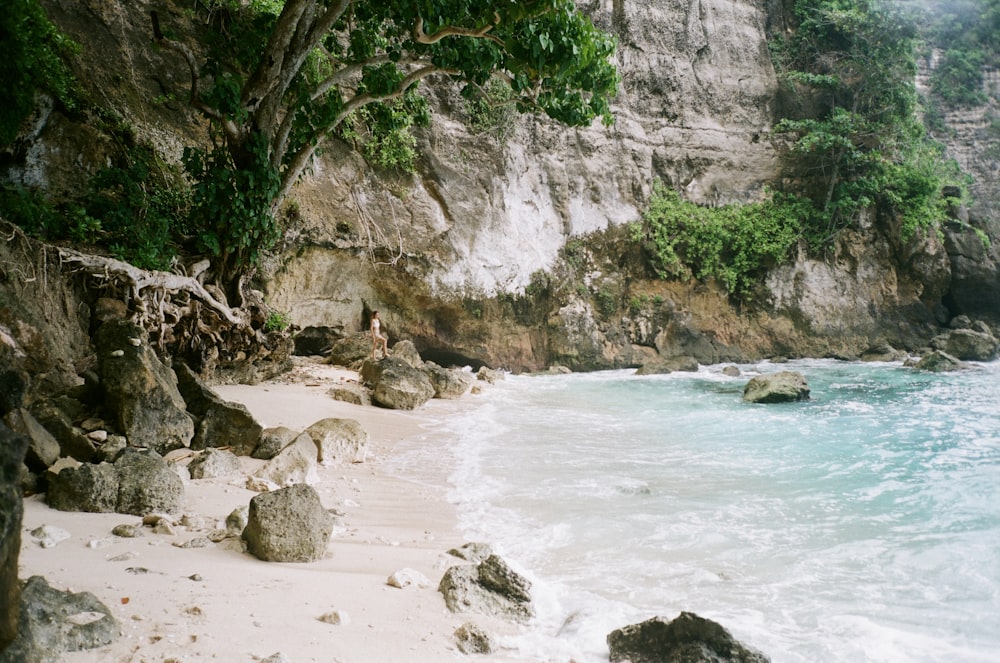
863,525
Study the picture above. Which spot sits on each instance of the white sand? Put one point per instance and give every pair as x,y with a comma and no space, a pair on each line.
242,609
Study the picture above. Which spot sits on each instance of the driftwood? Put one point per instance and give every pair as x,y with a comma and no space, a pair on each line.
139,280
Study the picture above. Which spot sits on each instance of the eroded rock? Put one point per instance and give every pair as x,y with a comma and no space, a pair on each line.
288,525
490,588
781,387
339,441
686,639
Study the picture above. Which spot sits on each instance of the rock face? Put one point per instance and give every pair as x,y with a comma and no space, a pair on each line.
139,390
51,625
219,422
781,387
13,384
687,639
288,525
490,588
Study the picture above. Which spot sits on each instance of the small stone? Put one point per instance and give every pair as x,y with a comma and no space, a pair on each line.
134,341
406,577
100,543
198,542
49,536
217,535
127,531
98,436
124,557
165,528
92,424
117,353
195,577
336,617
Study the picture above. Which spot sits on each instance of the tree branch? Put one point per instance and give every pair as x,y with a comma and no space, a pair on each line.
422,37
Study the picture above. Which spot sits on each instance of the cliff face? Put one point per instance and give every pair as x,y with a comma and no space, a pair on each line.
513,253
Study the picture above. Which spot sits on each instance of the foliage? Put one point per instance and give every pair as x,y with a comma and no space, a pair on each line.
958,78
33,57
734,244
277,321
491,110
282,77
861,145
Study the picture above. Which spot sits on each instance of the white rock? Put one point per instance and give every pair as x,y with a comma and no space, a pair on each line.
49,536
406,577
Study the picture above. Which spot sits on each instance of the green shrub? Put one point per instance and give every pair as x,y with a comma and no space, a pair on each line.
277,321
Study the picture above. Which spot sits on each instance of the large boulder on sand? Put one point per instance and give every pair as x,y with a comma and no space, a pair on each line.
294,464
339,440
489,588
87,487
397,385
140,390
288,525
781,387
686,639
220,423
146,484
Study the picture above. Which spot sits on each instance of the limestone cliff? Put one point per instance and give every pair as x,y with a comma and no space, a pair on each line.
513,253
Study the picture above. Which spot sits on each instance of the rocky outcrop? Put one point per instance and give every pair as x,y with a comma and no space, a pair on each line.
219,423
968,344
140,390
288,525
339,441
685,639
781,387
490,587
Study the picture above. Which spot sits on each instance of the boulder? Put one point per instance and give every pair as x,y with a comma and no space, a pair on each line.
146,484
882,352
489,375
472,639
214,463
448,383
12,449
87,487
220,423
939,362
668,365
354,394
288,525
43,448
139,390
296,463
490,588
686,639
316,340
339,441
272,441
732,371
406,351
967,344
397,385
472,552
53,622
72,441
351,350
781,387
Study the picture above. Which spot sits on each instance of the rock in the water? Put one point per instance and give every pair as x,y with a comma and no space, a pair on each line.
668,365
272,441
939,362
490,588
87,487
296,463
214,463
687,639
288,525
140,391
12,448
882,352
781,387
489,375
967,345
339,441
54,622
448,383
732,371
472,639
220,422
146,484
397,385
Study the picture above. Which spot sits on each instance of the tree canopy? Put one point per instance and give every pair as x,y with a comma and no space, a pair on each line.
281,77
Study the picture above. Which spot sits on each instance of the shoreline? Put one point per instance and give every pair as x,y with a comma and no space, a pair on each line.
217,602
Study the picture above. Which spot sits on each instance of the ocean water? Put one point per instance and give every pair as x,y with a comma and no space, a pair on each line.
862,525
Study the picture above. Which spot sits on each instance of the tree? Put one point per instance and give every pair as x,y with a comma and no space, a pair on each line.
285,75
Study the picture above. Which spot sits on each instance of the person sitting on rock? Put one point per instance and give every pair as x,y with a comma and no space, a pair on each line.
378,338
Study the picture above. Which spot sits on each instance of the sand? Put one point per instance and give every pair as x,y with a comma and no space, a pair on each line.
218,603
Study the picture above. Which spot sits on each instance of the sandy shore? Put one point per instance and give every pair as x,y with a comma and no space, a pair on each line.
218,603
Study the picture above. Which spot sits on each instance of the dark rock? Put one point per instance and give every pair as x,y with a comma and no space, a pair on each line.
397,385
272,441
140,390
43,448
782,387
316,340
12,450
939,362
72,441
967,345
13,385
472,639
339,441
288,525
687,639
490,588
448,383
220,423
146,484
213,463
90,488
53,622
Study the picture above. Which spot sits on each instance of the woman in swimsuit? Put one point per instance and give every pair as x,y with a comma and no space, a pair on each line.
378,338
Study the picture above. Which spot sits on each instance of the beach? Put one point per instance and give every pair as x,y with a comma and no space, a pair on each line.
219,603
